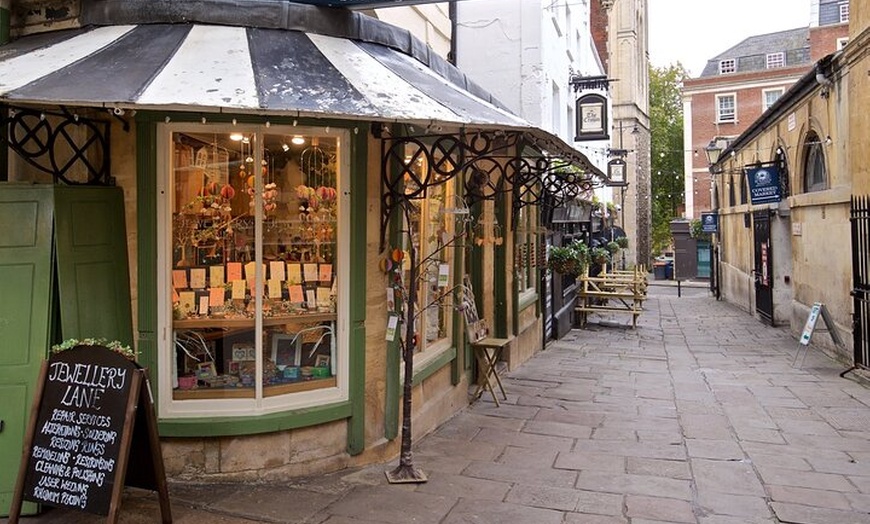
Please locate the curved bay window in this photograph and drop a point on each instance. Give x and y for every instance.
(252, 259)
(815, 172)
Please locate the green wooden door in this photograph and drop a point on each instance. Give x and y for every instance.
(25, 317)
(92, 268)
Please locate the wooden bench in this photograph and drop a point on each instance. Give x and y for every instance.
(613, 292)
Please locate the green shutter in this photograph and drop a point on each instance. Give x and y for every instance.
(25, 318)
(92, 267)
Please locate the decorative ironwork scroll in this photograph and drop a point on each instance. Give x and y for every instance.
(56, 143)
(490, 163)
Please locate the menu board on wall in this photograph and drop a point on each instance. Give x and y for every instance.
(81, 430)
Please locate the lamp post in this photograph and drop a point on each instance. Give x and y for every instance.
(713, 151)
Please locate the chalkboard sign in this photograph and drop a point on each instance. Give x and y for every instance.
(82, 425)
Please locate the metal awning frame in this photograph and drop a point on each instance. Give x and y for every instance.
(490, 163)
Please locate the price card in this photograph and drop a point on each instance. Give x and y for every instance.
(197, 278)
(179, 278)
(216, 296)
(294, 273)
(323, 297)
(216, 276)
(234, 271)
(276, 270)
(310, 271)
(310, 298)
(443, 275)
(203, 305)
(275, 288)
(296, 294)
(392, 323)
(238, 291)
(391, 299)
(325, 273)
(187, 302)
(250, 270)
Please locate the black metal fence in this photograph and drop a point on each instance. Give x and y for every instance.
(860, 220)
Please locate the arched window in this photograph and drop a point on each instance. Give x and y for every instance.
(815, 174)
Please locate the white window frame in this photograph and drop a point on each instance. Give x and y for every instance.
(774, 60)
(169, 408)
(764, 92)
(728, 65)
(844, 12)
(719, 118)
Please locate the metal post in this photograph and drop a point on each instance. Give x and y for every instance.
(679, 289)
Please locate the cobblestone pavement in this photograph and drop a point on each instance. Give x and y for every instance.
(697, 416)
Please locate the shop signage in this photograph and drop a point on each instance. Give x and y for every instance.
(763, 182)
(592, 118)
(709, 222)
(92, 407)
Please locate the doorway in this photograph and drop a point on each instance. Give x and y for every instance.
(763, 270)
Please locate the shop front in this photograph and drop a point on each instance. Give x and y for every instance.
(274, 180)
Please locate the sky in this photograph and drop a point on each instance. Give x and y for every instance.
(693, 31)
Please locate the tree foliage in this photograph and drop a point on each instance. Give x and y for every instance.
(666, 128)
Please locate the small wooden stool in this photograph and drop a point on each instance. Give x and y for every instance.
(489, 350)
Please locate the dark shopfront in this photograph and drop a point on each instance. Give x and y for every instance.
(258, 296)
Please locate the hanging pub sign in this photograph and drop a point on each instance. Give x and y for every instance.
(616, 172)
(709, 222)
(592, 118)
(764, 187)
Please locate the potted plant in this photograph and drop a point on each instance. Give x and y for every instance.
(612, 247)
(600, 255)
(622, 242)
(562, 260)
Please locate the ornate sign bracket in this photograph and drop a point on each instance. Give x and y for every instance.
(490, 163)
(56, 143)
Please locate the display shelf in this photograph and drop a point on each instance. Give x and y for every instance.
(230, 323)
(268, 391)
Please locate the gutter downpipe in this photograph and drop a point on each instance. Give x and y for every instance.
(4, 20)
(453, 14)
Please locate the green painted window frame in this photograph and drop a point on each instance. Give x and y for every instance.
(353, 409)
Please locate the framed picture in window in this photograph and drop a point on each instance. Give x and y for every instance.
(286, 349)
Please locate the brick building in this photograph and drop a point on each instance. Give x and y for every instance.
(740, 84)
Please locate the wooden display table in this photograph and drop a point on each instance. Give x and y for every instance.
(613, 292)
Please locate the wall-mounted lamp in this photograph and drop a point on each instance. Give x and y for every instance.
(236, 137)
(298, 140)
(713, 151)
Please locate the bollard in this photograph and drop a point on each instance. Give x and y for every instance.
(679, 290)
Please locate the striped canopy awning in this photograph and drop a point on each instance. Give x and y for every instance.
(270, 58)
(238, 69)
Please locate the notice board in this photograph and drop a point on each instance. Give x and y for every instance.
(92, 407)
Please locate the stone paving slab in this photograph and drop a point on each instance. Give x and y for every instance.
(697, 416)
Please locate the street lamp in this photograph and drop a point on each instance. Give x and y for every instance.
(713, 151)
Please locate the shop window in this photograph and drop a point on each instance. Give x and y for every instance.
(525, 252)
(253, 269)
(815, 173)
(432, 230)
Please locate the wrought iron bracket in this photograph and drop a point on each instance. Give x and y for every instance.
(58, 142)
(489, 163)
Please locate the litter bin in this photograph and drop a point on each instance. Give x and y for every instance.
(660, 271)
(669, 271)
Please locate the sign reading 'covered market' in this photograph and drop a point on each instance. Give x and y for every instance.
(764, 187)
